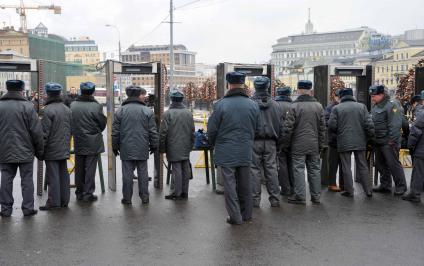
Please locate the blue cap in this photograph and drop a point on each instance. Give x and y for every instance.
(284, 91)
(87, 88)
(235, 77)
(133, 91)
(337, 92)
(345, 92)
(15, 85)
(262, 83)
(176, 94)
(304, 84)
(376, 89)
(53, 88)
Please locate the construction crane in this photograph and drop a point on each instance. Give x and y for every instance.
(21, 10)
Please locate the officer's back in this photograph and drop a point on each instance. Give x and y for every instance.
(136, 127)
(88, 122)
(20, 130)
(234, 116)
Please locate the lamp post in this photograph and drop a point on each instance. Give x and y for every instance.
(120, 58)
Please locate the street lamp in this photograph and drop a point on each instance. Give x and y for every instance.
(120, 58)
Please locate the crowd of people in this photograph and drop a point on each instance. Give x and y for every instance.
(255, 139)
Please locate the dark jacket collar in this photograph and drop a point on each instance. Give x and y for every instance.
(305, 98)
(86, 98)
(236, 92)
(13, 95)
(283, 98)
(348, 98)
(177, 105)
(54, 99)
(133, 100)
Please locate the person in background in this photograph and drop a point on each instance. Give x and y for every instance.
(88, 123)
(231, 130)
(304, 134)
(71, 96)
(285, 169)
(134, 134)
(177, 140)
(56, 123)
(334, 162)
(22, 138)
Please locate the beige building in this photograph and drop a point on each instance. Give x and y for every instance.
(75, 81)
(185, 63)
(11, 40)
(82, 50)
(396, 64)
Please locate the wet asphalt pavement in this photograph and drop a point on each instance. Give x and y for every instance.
(381, 231)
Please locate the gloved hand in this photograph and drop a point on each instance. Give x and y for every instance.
(40, 157)
(116, 152)
(152, 150)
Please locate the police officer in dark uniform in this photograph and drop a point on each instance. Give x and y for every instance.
(21, 139)
(231, 130)
(416, 149)
(352, 125)
(285, 170)
(264, 158)
(56, 123)
(387, 120)
(177, 140)
(88, 123)
(134, 133)
(304, 133)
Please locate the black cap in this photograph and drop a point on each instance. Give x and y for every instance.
(87, 88)
(15, 85)
(416, 98)
(376, 89)
(133, 91)
(262, 83)
(284, 91)
(345, 92)
(235, 77)
(337, 92)
(304, 84)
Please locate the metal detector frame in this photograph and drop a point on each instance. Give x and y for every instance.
(322, 79)
(222, 69)
(322, 86)
(159, 71)
(36, 67)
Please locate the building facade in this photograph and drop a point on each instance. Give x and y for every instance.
(82, 51)
(51, 49)
(396, 64)
(184, 68)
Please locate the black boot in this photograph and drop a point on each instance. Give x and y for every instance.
(412, 198)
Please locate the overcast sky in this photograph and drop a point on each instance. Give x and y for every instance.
(218, 30)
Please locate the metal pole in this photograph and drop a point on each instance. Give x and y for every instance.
(171, 46)
(110, 102)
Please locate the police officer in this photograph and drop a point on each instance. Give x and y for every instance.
(285, 170)
(265, 146)
(177, 140)
(134, 133)
(88, 123)
(387, 122)
(231, 130)
(416, 148)
(56, 123)
(21, 139)
(353, 126)
(304, 134)
(334, 162)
